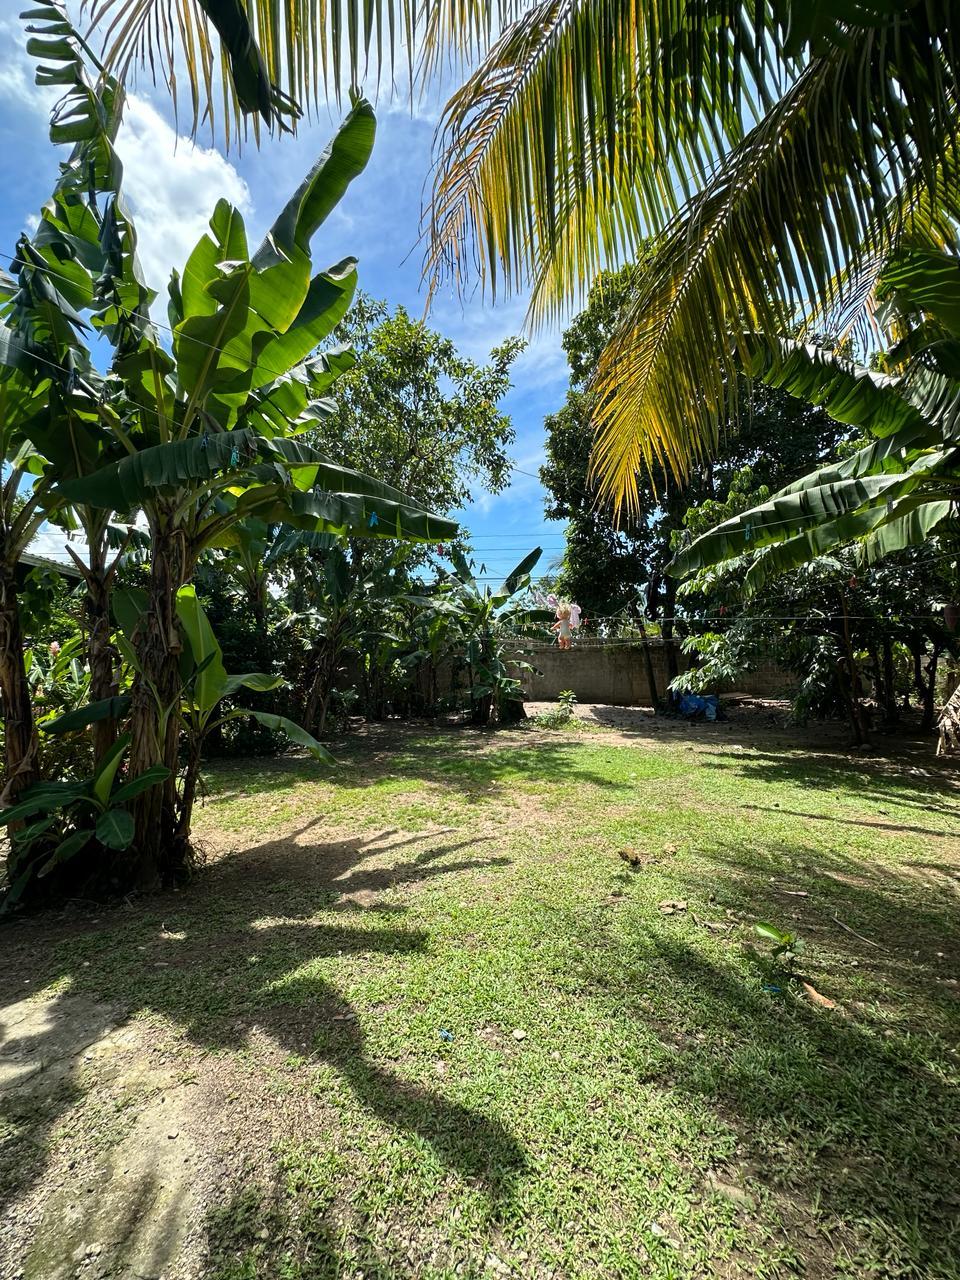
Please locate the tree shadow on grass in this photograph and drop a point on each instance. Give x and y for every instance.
(250, 1236)
(873, 824)
(877, 778)
(242, 955)
(846, 1118)
(465, 766)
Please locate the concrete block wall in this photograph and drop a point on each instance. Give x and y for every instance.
(616, 673)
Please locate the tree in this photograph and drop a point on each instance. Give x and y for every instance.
(615, 563)
(483, 620)
(416, 412)
(779, 150)
(849, 634)
(894, 492)
(874, 531)
(207, 431)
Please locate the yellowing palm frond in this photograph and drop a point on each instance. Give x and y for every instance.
(803, 204)
(574, 137)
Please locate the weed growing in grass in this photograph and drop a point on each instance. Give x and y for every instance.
(558, 717)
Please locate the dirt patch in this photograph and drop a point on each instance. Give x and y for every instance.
(131, 1143)
(111, 1183)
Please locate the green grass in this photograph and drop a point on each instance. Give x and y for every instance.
(675, 1106)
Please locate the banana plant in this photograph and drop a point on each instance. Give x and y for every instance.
(901, 488)
(52, 823)
(54, 423)
(207, 687)
(484, 617)
(348, 608)
(205, 432)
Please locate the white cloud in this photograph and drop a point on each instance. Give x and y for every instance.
(476, 329)
(171, 186)
(15, 83)
(17, 70)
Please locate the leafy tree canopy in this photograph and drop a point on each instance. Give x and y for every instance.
(610, 563)
(417, 413)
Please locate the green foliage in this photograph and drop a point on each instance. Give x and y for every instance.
(202, 437)
(785, 947)
(896, 491)
(615, 565)
(53, 822)
(847, 569)
(485, 622)
(558, 717)
(207, 684)
(416, 412)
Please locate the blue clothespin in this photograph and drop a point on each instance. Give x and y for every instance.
(234, 456)
(747, 531)
(373, 521)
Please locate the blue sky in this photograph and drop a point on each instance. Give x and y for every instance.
(172, 186)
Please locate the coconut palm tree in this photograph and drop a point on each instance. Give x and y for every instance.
(778, 149)
(900, 488)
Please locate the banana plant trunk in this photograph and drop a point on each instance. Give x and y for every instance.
(160, 849)
(21, 745)
(101, 654)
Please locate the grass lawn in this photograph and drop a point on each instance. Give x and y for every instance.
(422, 1018)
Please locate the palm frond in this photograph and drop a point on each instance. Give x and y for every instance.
(582, 129)
(800, 204)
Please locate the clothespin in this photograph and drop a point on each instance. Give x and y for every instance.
(373, 521)
(747, 531)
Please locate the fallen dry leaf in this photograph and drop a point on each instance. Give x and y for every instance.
(634, 856)
(815, 997)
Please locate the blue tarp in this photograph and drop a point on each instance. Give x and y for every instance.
(692, 704)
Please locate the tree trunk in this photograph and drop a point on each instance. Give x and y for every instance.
(916, 653)
(849, 701)
(160, 852)
(891, 712)
(929, 717)
(191, 779)
(648, 659)
(21, 745)
(668, 632)
(854, 706)
(313, 700)
(101, 655)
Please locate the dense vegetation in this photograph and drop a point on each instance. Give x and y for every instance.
(212, 459)
(863, 631)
